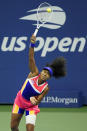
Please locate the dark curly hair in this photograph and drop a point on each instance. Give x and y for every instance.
(58, 67)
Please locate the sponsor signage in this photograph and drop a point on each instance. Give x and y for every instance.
(62, 99)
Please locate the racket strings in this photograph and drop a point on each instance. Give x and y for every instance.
(43, 15)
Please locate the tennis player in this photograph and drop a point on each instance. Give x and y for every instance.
(34, 89)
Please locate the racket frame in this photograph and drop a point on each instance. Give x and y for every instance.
(42, 23)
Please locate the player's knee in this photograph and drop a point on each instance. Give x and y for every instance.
(30, 122)
(30, 127)
(31, 119)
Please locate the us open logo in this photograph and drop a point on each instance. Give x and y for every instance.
(64, 45)
(56, 21)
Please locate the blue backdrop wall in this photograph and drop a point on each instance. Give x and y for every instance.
(68, 38)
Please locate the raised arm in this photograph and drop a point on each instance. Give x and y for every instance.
(32, 64)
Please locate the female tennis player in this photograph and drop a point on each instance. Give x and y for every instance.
(34, 89)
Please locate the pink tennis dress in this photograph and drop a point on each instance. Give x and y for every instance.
(22, 101)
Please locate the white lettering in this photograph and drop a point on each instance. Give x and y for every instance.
(48, 47)
(77, 41)
(64, 44)
(11, 45)
(21, 44)
(51, 44)
(66, 101)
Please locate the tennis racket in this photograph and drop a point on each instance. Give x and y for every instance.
(44, 12)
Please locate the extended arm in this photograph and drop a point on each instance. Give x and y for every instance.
(32, 64)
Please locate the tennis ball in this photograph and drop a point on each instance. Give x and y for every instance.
(49, 10)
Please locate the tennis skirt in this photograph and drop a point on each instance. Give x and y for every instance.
(21, 105)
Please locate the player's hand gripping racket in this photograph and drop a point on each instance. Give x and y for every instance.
(44, 12)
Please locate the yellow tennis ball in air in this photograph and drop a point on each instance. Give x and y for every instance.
(49, 10)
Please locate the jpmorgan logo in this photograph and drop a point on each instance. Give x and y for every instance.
(65, 101)
(56, 21)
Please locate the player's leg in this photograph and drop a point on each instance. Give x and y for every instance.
(30, 120)
(30, 127)
(16, 116)
(15, 120)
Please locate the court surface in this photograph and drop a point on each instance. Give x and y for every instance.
(49, 119)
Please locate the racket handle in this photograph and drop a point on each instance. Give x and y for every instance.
(36, 31)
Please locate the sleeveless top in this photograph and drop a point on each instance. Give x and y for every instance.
(31, 87)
